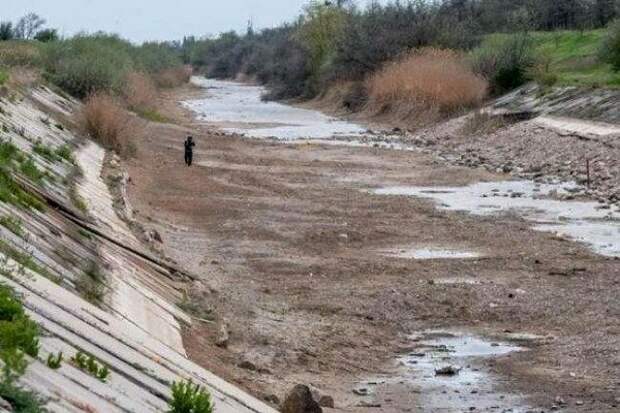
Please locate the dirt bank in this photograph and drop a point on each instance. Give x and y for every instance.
(290, 249)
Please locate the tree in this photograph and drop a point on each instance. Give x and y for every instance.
(28, 26)
(47, 35)
(6, 31)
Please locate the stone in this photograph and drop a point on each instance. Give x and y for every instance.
(327, 401)
(299, 400)
(223, 338)
(247, 365)
(448, 371)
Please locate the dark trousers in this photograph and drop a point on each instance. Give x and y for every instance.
(189, 157)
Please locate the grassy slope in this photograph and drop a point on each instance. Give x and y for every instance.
(574, 57)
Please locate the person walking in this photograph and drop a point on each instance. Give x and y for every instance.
(189, 151)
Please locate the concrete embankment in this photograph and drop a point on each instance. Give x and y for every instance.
(86, 279)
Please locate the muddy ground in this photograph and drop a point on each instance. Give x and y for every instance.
(289, 247)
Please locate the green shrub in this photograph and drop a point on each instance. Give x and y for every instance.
(190, 398)
(86, 64)
(504, 60)
(21, 400)
(13, 224)
(610, 49)
(54, 361)
(45, 151)
(65, 152)
(4, 77)
(90, 365)
(19, 335)
(17, 53)
(90, 284)
(30, 170)
(12, 193)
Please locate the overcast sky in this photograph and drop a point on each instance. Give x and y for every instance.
(141, 20)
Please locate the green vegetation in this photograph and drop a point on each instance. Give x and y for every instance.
(574, 57)
(87, 64)
(190, 398)
(13, 224)
(91, 365)
(30, 170)
(12, 193)
(45, 151)
(610, 49)
(54, 361)
(19, 335)
(90, 284)
(504, 60)
(152, 115)
(4, 77)
(25, 260)
(65, 152)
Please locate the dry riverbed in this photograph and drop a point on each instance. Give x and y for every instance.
(321, 279)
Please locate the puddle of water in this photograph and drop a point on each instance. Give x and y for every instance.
(241, 105)
(471, 386)
(579, 220)
(433, 254)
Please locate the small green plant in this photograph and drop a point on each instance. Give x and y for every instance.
(190, 398)
(11, 193)
(30, 170)
(45, 151)
(91, 366)
(54, 361)
(19, 335)
(90, 284)
(13, 224)
(65, 152)
(20, 399)
(4, 77)
(25, 260)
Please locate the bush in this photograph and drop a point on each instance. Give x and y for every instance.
(18, 53)
(190, 398)
(84, 65)
(429, 81)
(105, 120)
(504, 60)
(139, 92)
(90, 284)
(610, 49)
(173, 77)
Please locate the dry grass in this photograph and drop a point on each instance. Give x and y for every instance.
(139, 92)
(107, 122)
(426, 83)
(174, 77)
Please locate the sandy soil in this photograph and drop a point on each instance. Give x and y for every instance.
(287, 244)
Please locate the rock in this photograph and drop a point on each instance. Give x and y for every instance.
(272, 398)
(361, 391)
(448, 371)
(327, 401)
(247, 365)
(299, 400)
(223, 337)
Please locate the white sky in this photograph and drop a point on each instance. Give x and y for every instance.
(141, 20)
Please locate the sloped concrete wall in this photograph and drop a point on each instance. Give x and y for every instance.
(136, 329)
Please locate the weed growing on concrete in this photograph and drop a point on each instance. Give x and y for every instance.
(13, 224)
(54, 361)
(190, 398)
(90, 365)
(90, 284)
